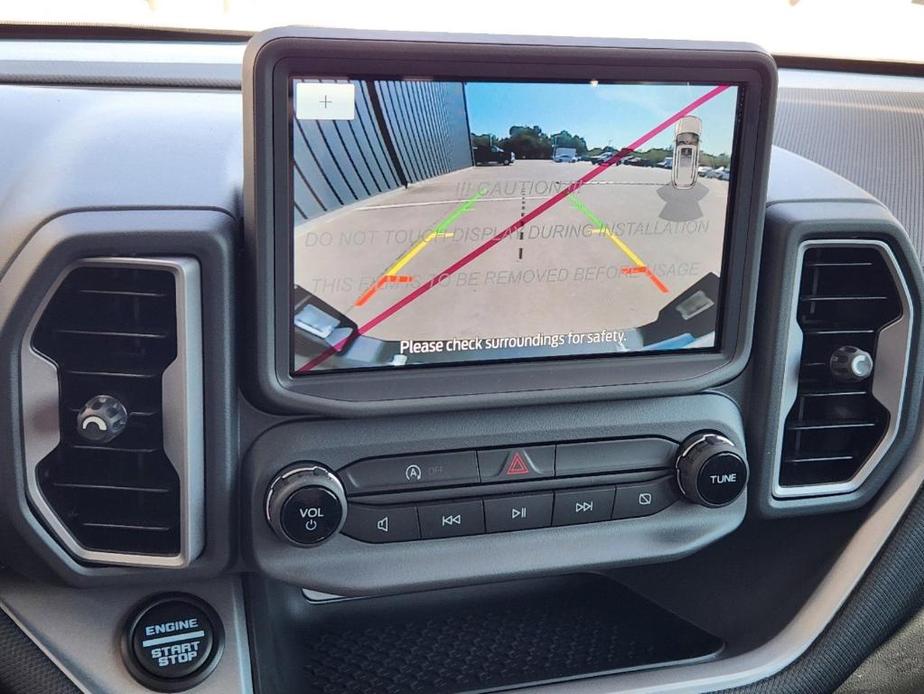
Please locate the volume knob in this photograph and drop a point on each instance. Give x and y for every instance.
(306, 504)
(710, 470)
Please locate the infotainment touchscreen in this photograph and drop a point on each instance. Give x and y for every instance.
(453, 222)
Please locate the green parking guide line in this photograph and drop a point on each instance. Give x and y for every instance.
(574, 200)
(440, 228)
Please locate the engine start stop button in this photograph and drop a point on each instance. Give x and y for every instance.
(174, 642)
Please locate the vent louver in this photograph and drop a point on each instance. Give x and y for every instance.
(113, 331)
(847, 295)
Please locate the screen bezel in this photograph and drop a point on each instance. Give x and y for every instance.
(274, 59)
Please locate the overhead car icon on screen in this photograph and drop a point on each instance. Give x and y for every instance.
(686, 152)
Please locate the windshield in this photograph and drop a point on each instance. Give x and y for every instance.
(887, 30)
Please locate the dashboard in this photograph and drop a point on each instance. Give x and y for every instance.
(332, 367)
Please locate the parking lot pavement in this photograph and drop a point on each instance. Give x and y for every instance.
(608, 257)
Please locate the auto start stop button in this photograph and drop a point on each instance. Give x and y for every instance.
(173, 642)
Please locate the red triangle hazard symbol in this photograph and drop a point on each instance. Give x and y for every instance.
(517, 465)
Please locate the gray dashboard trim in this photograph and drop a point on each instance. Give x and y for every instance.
(182, 420)
(343, 566)
(771, 657)
(788, 226)
(796, 78)
(15, 253)
(76, 150)
(80, 629)
(202, 65)
(204, 235)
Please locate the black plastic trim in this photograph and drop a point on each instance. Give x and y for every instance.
(273, 56)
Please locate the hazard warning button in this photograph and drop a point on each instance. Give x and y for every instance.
(514, 464)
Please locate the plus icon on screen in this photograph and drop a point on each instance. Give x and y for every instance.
(325, 101)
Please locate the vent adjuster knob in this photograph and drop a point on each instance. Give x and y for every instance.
(849, 364)
(101, 419)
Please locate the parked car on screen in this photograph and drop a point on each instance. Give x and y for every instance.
(492, 155)
(665, 163)
(566, 155)
(715, 173)
(685, 164)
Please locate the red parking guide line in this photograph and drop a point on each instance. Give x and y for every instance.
(370, 292)
(657, 281)
(521, 222)
(383, 280)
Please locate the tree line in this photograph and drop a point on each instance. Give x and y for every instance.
(530, 142)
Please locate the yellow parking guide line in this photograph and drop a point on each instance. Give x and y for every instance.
(438, 230)
(620, 244)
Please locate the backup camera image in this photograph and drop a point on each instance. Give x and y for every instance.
(456, 222)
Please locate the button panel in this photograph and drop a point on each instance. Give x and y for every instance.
(382, 523)
(619, 455)
(583, 506)
(645, 498)
(397, 499)
(494, 514)
(411, 472)
(516, 464)
(523, 512)
(451, 519)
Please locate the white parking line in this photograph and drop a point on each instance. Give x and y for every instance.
(436, 202)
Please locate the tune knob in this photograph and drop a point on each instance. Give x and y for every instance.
(101, 419)
(710, 470)
(850, 364)
(306, 504)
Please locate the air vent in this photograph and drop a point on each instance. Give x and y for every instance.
(122, 328)
(850, 296)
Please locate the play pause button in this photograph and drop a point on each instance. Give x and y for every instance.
(506, 513)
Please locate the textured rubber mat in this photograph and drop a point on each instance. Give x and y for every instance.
(24, 669)
(574, 629)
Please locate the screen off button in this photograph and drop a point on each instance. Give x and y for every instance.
(644, 498)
